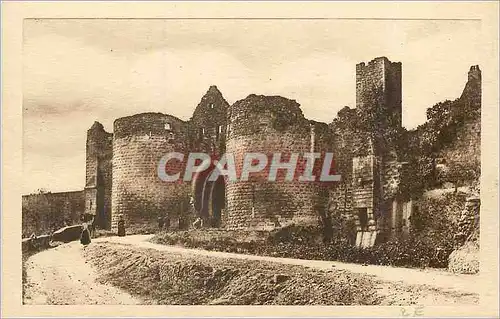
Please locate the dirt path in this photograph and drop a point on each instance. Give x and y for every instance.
(435, 278)
(61, 276)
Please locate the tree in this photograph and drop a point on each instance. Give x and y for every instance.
(461, 173)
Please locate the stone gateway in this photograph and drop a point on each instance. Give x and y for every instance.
(379, 161)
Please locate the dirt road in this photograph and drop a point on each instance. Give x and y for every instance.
(430, 277)
(62, 276)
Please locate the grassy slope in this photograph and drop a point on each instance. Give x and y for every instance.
(175, 279)
(165, 278)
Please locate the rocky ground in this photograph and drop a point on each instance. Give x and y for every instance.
(131, 270)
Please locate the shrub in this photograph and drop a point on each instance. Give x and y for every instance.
(465, 260)
(294, 234)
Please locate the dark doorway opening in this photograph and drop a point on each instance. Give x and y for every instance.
(218, 201)
(209, 198)
(363, 218)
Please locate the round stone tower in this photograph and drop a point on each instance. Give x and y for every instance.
(270, 124)
(140, 141)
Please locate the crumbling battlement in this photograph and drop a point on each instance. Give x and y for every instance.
(208, 125)
(262, 114)
(451, 137)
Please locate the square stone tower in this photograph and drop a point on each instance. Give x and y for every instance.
(378, 92)
(378, 104)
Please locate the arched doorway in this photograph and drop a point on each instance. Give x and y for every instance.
(209, 197)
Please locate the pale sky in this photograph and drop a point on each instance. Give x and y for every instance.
(80, 71)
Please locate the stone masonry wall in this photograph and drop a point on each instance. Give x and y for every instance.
(393, 92)
(268, 125)
(47, 212)
(364, 146)
(140, 141)
(378, 92)
(98, 181)
(349, 142)
(466, 145)
(209, 123)
(256, 202)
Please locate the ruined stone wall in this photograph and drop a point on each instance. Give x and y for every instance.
(449, 142)
(393, 92)
(364, 172)
(98, 175)
(466, 144)
(209, 123)
(140, 141)
(98, 146)
(365, 140)
(47, 212)
(269, 125)
(349, 141)
(208, 127)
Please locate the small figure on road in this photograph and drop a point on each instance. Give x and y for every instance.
(161, 222)
(32, 242)
(121, 226)
(181, 222)
(167, 221)
(85, 236)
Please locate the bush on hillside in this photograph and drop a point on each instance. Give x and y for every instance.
(296, 235)
(465, 260)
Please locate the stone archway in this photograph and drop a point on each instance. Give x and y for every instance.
(209, 197)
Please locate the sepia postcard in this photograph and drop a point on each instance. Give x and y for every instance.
(250, 159)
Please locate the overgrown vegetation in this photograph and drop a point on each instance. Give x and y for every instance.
(307, 243)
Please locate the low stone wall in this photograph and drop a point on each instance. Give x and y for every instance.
(42, 242)
(68, 234)
(35, 244)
